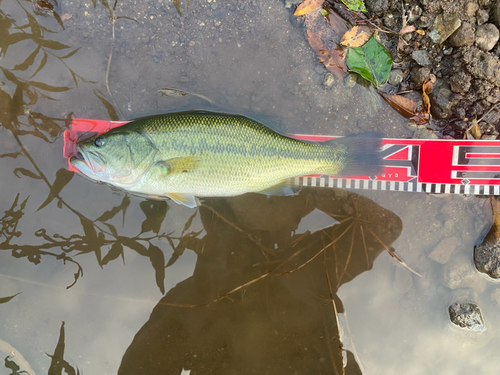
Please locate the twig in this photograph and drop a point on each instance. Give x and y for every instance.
(314, 256)
(393, 254)
(474, 122)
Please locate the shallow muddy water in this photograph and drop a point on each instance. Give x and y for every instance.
(245, 285)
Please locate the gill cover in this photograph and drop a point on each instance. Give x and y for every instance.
(117, 157)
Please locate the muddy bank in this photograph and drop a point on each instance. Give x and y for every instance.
(457, 43)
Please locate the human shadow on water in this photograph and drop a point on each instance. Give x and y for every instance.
(262, 298)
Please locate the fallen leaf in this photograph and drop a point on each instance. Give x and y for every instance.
(426, 90)
(371, 61)
(404, 106)
(475, 131)
(421, 118)
(307, 6)
(356, 37)
(355, 5)
(407, 29)
(421, 32)
(336, 22)
(333, 60)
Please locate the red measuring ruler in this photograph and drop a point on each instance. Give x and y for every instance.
(419, 165)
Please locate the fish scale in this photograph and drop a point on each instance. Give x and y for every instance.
(206, 154)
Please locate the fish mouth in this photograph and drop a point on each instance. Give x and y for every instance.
(87, 160)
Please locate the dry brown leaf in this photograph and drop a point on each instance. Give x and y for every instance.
(333, 60)
(426, 90)
(356, 37)
(475, 131)
(404, 106)
(307, 6)
(407, 29)
(421, 118)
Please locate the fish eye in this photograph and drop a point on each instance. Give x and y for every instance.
(99, 142)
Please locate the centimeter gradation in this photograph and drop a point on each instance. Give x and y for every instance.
(412, 165)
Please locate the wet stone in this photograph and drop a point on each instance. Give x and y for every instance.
(464, 36)
(487, 258)
(466, 315)
(421, 57)
(444, 27)
(329, 80)
(444, 249)
(420, 75)
(487, 36)
(395, 77)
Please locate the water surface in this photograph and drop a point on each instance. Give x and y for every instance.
(240, 285)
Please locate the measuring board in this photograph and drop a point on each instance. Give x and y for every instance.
(416, 165)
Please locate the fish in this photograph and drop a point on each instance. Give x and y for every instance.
(189, 155)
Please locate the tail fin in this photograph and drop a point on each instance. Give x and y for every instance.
(361, 154)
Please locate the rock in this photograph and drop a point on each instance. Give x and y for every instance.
(420, 75)
(443, 250)
(466, 315)
(444, 27)
(423, 133)
(442, 100)
(395, 77)
(487, 36)
(482, 65)
(421, 57)
(390, 21)
(487, 258)
(424, 22)
(290, 3)
(459, 273)
(414, 14)
(482, 16)
(447, 51)
(329, 80)
(377, 7)
(460, 82)
(471, 9)
(464, 36)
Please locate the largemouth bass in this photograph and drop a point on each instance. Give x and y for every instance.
(203, 154)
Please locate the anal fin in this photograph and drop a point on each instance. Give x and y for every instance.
(181, 198)
(283, 188)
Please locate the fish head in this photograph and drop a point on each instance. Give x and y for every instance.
(108, 158)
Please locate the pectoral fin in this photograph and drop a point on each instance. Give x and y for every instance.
(183, 164)
(284, 187)
(185, 199)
